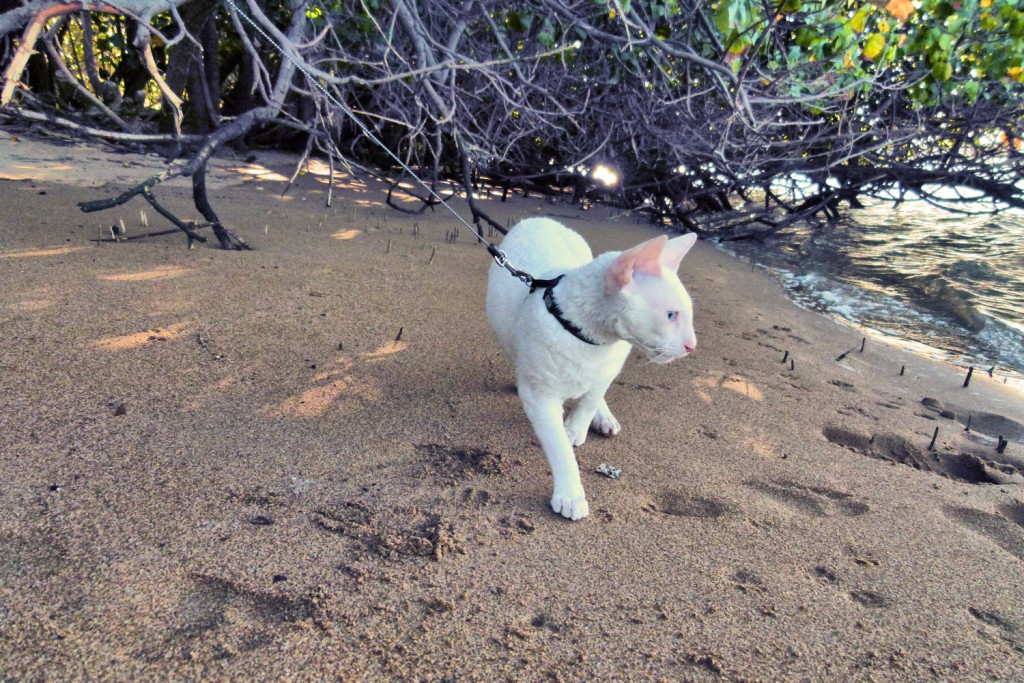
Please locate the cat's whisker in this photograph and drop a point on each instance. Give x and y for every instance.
(654, 355)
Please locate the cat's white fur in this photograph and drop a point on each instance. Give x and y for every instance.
(619, 299)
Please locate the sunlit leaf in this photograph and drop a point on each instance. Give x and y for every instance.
(901, 9)
(857, 23)
(874, 45)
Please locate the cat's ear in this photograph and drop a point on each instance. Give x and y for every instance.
(643, 258)
(676, 249)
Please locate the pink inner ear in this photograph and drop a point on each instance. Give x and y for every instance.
(620, 272)
(643, 258)
(676, 249)
(648, 258)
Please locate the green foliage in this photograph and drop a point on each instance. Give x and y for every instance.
(940, 51)
(948, 50)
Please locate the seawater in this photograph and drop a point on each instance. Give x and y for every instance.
(946, 285)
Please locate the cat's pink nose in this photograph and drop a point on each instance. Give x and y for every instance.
(689, 348)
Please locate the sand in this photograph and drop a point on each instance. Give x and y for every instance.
(228, 466)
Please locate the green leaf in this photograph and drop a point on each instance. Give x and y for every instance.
(722, 18)
(546, 37)
(740, 45)
(942, 71)
(805, 37)
(519, 22)
(874, 45)
(857, 23)
(791, 7)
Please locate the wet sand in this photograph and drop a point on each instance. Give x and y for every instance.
(228, 466)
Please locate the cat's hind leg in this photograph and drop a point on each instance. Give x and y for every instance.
(545, 413)
(604, 422)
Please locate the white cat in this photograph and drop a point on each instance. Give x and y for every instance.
(569, 340)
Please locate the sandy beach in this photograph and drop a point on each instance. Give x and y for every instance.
(308, 462)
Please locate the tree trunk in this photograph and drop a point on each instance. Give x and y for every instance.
(187, 68)
(131, 71)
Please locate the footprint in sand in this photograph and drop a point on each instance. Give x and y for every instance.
(218, 617)
(996, 627)
(391, 533)
(682, 504)
(869, 599)
(810, 500)
(865, 598)
(894, 448)
(448, 462)
(1006, 532)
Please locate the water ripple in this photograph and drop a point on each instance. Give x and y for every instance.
(954, 284)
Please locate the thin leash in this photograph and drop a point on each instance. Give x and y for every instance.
(499, 256)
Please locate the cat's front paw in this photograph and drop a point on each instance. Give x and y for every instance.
(570, 507)
(604, 423)
(577, 437)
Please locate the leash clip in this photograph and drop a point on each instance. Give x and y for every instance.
(500, 257)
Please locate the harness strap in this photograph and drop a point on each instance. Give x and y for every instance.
(553, 308)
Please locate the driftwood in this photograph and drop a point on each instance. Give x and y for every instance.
(143, 190)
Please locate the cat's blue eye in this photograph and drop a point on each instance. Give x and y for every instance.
(672, 315)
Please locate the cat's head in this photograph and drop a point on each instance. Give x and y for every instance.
(654, 312)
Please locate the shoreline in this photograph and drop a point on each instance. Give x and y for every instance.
(307, 458)
(1011, 377)
(850, 274)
